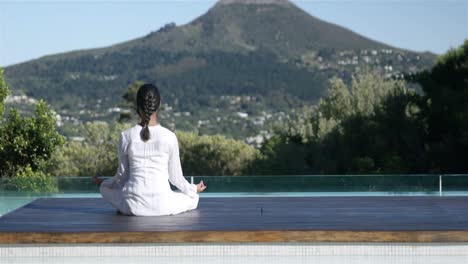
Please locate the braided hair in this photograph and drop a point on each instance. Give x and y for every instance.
(148, 101)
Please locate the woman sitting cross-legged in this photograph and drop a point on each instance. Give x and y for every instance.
(148, 160)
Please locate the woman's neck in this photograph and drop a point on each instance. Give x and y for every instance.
(153, 121)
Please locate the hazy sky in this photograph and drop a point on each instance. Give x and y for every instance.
(31, 29)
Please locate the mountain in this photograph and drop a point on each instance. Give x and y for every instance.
(269, 49)
(245, 26)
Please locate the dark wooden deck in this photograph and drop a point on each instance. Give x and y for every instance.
(265, 219)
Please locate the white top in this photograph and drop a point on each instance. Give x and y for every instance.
(141, 184)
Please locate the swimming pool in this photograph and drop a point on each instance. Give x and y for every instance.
(276, 186)
(258, 253)
(10, 201)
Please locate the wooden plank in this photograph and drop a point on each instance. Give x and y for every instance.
(251, 219)
(234, 236)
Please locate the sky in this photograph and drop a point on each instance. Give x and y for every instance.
(34, 28)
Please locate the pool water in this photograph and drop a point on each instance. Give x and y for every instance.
(274, 186)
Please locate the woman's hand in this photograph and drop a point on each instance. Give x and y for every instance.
(97, 180)
(200, 187)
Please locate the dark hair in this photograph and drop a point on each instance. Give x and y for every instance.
(148, 101)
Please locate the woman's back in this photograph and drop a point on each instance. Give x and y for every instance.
(148, 161)
(144, 172)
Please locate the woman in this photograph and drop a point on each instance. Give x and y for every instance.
(148, 161)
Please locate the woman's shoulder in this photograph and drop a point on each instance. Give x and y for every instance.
(124, 136)
(167, 132)
(129, 131)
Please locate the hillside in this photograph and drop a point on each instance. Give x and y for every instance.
(269, 50)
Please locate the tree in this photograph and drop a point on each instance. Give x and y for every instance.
(129, 101)
(27, 145)
(28, 141)
(95, 155)
(445, 110)
(214, 155)
(369, 126)
(390, 140)
(3, 93)
(281, 155)
(367, 91)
